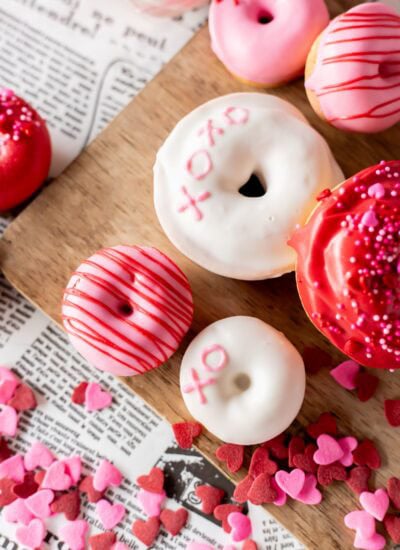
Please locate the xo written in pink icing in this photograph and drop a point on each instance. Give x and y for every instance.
(197, 384)
(199, 165)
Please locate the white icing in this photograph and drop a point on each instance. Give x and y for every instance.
(225, 232)
(257, 354)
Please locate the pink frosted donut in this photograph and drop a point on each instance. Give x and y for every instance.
(353, 73)
(127, 308)
(265, 41)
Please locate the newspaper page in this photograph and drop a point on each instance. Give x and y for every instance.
(80, 62)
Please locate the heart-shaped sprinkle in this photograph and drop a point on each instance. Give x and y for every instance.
(13, 468)
(315, 359)
(39, 503)
(96, 398)
(261, 463)
(78, 394)
(296, 447)
(305, 461)
(367, 385)
(209, 496)
(241, 526)
(345, 374)
(330, 473)
(28, 487)
(31, 535)
(24, 399)
(198, 546)
(174, 520)
(376, 504)
(292, 482)
(103, 541)
(17, 512)
(68, 504)
(119, 546)
(232, 455)
(392, 412)
(362, 522)
(348, 445)
(392, 526)
(277, 447)
(242, 489)
(7, 374)
(7, 495)
(249, 545)
(326, 424)
(310, 494)
(393, 487)
(7, 390)
(151, 502)
(146, 531)
(86, 487)
(358, 480)
(73, 468)
(38, 456)
(106, 475)
(186, 432)
(262, 490)
(73, 533)
(56, 477)
(376, 191)
(329, 450)
(376, 542)
(367, 454)
(369, 219)
(109, 514)
(281, 496)
(5, 452)
(153, 482)
(221, 513)
(8, 420)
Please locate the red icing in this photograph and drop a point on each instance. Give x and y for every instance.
(349, 267)
(25, 150)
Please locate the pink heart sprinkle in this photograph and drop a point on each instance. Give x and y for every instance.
(73, 533)
(39, 503)
(360, 521)
(73, 468)
(291, 483)
(17, 512)
(151, 502)
(7, 374)
(96, 398)
(229, 547)
(106, 475)
(8, 421)
(376, 542)
(281, 496)
(109, 514)
(376, 191)
(241, 526)
(7, 390)
(31, 535)
(13, 468)
(348, 445)
(119, 546)
(198, 546)
(369, 219)
(345, 374)
(310, 494)
(376, 504)
(38, 456)
(329, 450)
(56, 477)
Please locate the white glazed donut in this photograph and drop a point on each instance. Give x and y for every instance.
(207, 159)
(243, 380)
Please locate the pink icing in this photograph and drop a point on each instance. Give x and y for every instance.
(223, 358)
(197, 385)
(192, 203)
(127, 308)
(271, 52)
(201, 167)
(357, 73)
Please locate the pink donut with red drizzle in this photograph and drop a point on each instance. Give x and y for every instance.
(348, 268)
(127, 308)
(353, 70)
(265, 42)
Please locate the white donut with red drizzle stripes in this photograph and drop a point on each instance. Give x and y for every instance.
(127, 308)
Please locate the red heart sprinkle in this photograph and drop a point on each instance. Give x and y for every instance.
(185, 432)
(315, 359)
(296, 446)
(39, 476)
(392, 412)
(222, 512)
(277, 447)
(68, 504)
(5, 452)
(392, 526)
(174, 520)
(24, 399)
(86, 487)
(232, 455)
(146, 531)
(330, 473)
(7, 495)
(249, 545)
(103, 541)
(367, 384)
(28, 487)
(261, 463)
(242, 489)
(78, 394)
(358, 480)
(326, 424)
(367, 454)
(153, 482)
(393, 487)
(305, 461)
(209, 496)
(262, 491)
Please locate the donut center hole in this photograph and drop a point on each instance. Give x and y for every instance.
(389, 69)
(125, 309)
(254, 187)
(242, 382)
(264, 17)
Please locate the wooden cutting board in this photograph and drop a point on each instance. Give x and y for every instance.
(105, 198)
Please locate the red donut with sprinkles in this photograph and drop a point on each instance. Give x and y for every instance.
(348, 267)
(25, 150)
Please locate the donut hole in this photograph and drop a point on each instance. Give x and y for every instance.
(264, 17)
(389, 69)
(254, 187)
(242, 382)
(125, 309)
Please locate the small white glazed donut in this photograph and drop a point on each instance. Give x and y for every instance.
(243, 380)
(204, 189)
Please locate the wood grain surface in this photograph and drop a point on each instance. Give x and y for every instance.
(105, 198)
